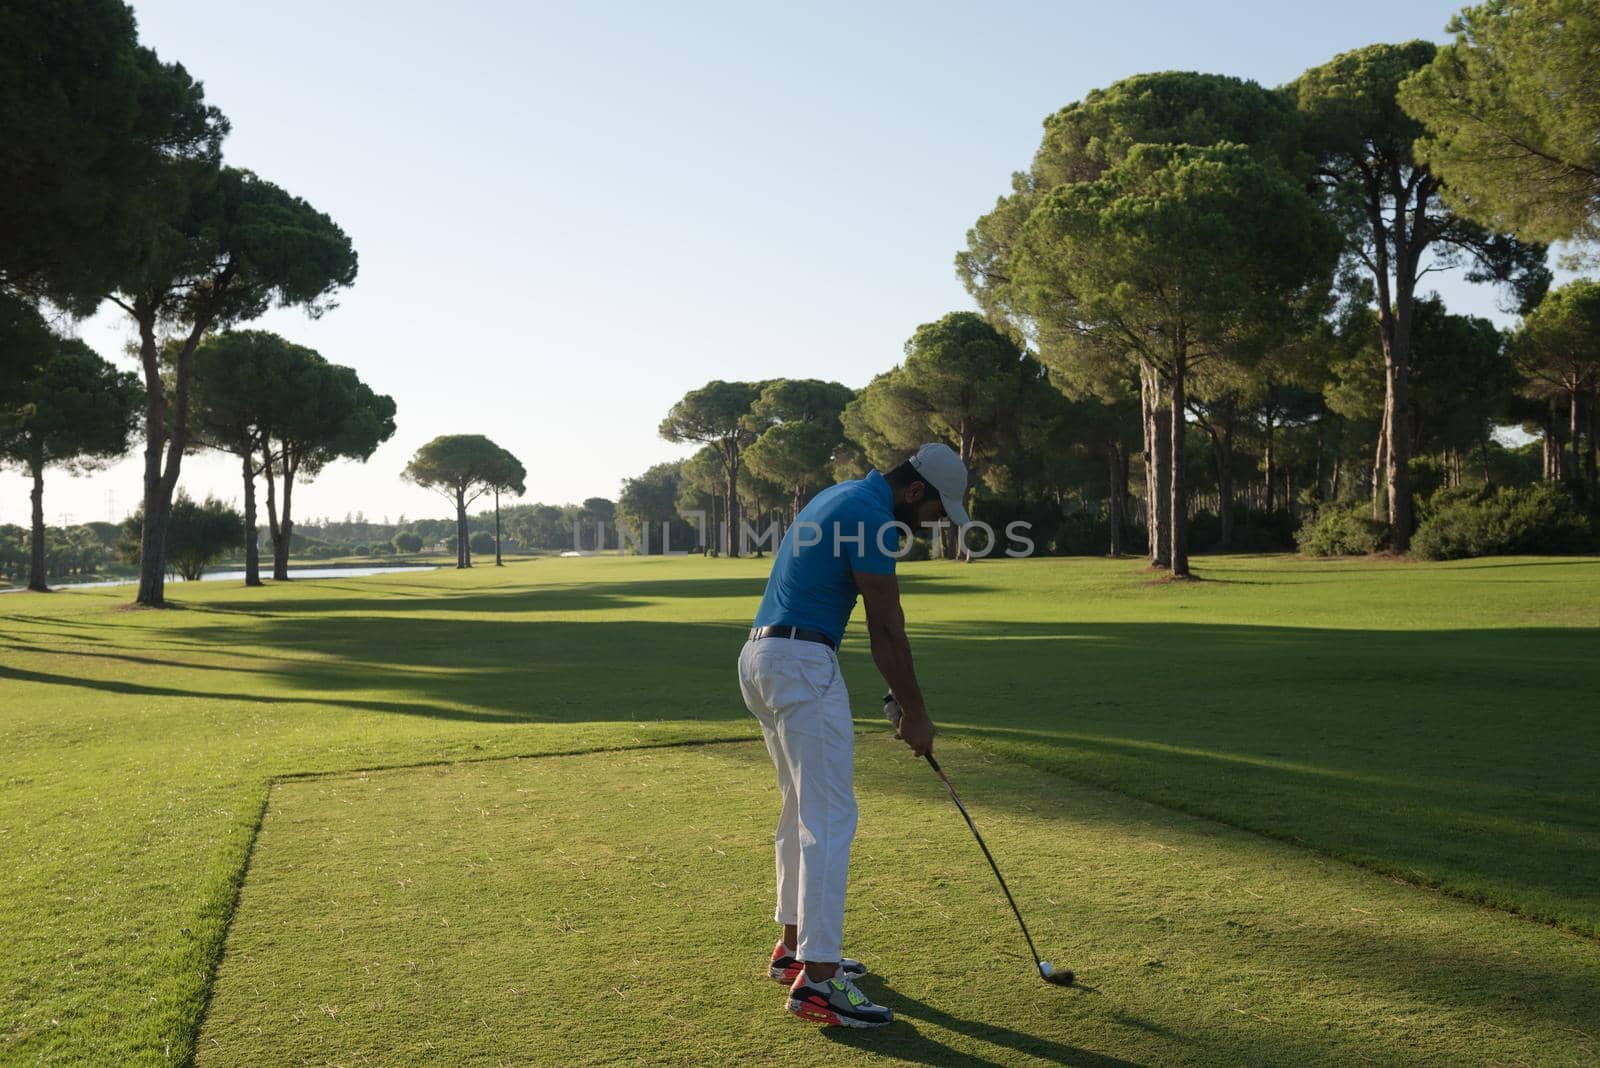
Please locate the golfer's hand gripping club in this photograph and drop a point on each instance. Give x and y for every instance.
(916, 732)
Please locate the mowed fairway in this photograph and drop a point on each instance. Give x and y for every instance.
(1436, 724)
(610, 908)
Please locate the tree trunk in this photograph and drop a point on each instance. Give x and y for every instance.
(274, 532)
(1122, 486)
(1399, 459)
(1336, 462)
(967, 448)
(497, 561)
(160, 481)
(1147, 428)
(1157, 467)
(1316, 481)
(153, 535)
(1397, 376)
(280, 545)
(730, 548)
(36, 575)
(1267, 458)
(1222, 444)
(1572, 433)
(1380, 460)
(463, 550)
(1178, 511)
(1589, 447)
(1114, 497)
(252, 548)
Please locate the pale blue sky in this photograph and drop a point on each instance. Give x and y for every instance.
(570, 214)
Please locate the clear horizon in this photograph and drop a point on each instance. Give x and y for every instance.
(569, 218)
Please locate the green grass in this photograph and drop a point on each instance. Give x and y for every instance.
(611, 909)
(1432, 722)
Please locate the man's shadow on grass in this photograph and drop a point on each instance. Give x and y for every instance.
(902, 1038)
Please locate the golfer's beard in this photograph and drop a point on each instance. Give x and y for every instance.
(907, 514)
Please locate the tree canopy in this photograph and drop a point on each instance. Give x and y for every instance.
(79, 411)
(463, 467)
(1082, 143)
(1512, 116)
(26, 343)
(648, 504)
(798, 428)
(228, 247)
(285, 411)
(1176, 256)
(1084, 139)
(717, 414)
(1397, 227)
(1557, 348)
(89, 120)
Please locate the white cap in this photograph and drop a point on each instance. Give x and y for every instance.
(943, 470)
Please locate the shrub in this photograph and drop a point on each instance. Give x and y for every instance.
(1341, 530)
(198, 535)
(482, 542)
(1427, 505)
(1253, 531)
(407, 541)
(1541, 518)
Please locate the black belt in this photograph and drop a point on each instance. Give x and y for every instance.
(799, 634)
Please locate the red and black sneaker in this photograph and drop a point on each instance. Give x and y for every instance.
(786, 966)
(835, 1000)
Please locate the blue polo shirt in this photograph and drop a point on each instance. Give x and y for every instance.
(845, 528)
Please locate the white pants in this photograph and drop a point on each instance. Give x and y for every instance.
(794, 688)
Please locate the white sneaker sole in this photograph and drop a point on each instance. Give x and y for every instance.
(830, 1018)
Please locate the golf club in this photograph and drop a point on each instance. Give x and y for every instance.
(1064, 977)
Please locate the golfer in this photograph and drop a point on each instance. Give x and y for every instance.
(843, 543)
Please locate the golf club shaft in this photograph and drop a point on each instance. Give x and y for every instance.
(987, 855)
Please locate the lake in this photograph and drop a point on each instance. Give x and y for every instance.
(266, 573)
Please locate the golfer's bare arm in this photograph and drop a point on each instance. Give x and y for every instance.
(891, 652)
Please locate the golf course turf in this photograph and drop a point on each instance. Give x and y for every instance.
(1175, 778)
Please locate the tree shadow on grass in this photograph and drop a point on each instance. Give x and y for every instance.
(1406, 949)
(468, 669)
(1461, 756)
(563, 597)
(1455, 955)
(1464, 832)
(65, 622)
(138, 689)
(550, 597)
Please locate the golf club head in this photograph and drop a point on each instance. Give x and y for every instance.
(1062, 978)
